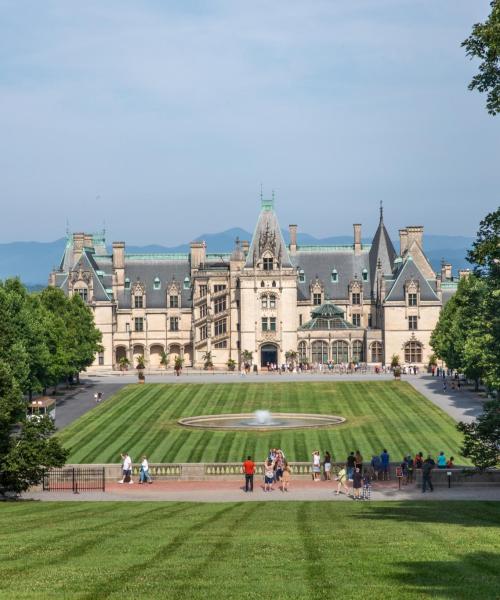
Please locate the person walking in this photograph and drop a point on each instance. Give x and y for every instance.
(249, 470)
(384, 459)
(144, 476)
(126, 469)
(268, 475)
(287, 475)
(427, 474)
(327, 466)
(357, 483)
(342, 481)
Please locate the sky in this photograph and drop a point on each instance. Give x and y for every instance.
(161, 120)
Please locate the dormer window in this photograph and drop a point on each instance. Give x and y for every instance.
(335, 276)
(127, 283)
(82, 292)
(365, 275)
(267, 263)
(317, 299)
(356, 298)
(156, 283)
(302, 276)
(412, 299)
(187, 282)
(138, 301)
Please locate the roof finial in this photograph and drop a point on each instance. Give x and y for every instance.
(261, 193)
(381, 211)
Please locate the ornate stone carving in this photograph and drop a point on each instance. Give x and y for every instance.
(267, 241)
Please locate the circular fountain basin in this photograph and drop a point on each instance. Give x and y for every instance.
(249, 421)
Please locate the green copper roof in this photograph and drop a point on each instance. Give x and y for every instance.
(328, 316)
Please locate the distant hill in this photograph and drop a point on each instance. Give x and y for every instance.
(33, 261)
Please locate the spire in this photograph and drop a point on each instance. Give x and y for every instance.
(381, 212)
(382, 253)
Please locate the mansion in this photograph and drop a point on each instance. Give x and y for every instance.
(359, 303)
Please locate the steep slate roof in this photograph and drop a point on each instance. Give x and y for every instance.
(146, 270)
(323, 261)
(102, 281)
(382, 249)
(267, 223)
(407, 271)
(327, 317)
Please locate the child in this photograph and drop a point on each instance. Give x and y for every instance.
(285, 480)
(342, 481)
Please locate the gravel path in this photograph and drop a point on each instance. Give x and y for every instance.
(208, 491)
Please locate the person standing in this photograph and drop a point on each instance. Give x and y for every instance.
(287, 475)
(249, 470)
(351, 461)
(126, 469)
(357, 483)
(384, 459)
(358, 461)
(376, 466)
(327, 466)
(409, 466)
(268, 475)
(427, 474)
(316, 465)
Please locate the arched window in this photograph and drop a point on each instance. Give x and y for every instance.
(340, 352)
(413, 352)
(335, 276)
(302, 276)
(357, 351)
(274, 283)
(187, 282)
(302, 351)
(156, 283)
(319, 352)
(376, 349)
(261, 284)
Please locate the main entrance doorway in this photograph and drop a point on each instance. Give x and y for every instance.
(268, 355)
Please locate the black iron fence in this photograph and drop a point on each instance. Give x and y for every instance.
(78, 479)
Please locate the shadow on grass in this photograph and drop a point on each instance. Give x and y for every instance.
(476, 575)
(467, 514)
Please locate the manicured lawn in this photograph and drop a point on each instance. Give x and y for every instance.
(143, 420)
(296, 550)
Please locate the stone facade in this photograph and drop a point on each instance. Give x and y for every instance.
(354, 303)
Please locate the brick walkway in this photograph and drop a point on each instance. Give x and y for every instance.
(233, 491)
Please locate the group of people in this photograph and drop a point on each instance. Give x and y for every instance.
(276, 471)
(144, 475)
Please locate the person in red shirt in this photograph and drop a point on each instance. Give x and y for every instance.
(249, 470)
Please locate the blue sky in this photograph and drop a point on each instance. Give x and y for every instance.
(162, 119)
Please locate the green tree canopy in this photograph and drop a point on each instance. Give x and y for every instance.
(484, 44)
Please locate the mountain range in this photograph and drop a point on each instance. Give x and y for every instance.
(33, 261)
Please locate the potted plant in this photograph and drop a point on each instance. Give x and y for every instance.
(246, 358)
(231, 364)
(178, 365)
(164, 359)
(123, 363)
(396, 369)
(291, 356)
(141, 365)
(207, 361)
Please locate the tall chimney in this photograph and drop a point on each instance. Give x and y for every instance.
(198, 254)
(415, 234)
(245, 246)
(403, 241)
(357, 238)
(78, 241)
(445, 272)
(293, 238)
(119, 263)
(88, 240)
(462, 273)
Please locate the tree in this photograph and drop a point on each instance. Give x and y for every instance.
(26, 447)
(124, 363)
(482, 437)
(484, 43)
(141, 363)
(208, 362)
(231, 364)
(164, 359)
(394, 361)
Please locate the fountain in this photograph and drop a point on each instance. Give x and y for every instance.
(261, 420)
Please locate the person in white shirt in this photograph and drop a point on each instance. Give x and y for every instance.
(144, 475)
(126, 468)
